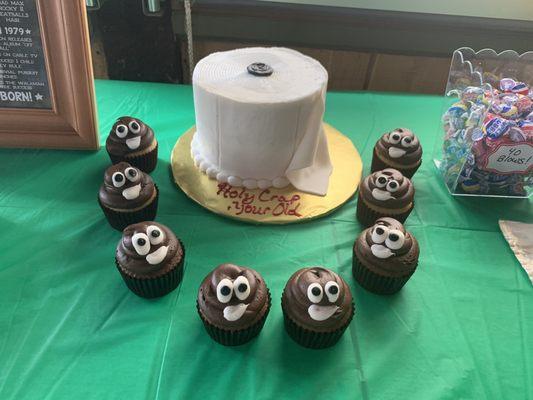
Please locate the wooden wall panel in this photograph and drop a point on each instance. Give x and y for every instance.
(398, 73)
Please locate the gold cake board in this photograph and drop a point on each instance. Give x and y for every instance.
(269, 206)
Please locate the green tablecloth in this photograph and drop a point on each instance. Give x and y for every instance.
(70, 329)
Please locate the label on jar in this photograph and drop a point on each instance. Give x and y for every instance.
(510, 158)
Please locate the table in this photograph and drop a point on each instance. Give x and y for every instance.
(70, 329)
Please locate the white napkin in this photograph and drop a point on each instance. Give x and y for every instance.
(520, 238)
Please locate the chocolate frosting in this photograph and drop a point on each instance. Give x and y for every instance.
(148, 250)
(406, 148)
(233, 297)
(381, 247)
(126, 187)
(135, 136)
(324, 313)
(387, 188)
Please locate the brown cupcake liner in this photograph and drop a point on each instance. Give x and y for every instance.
(150, 288)
(236, 337)
(368, 216)
(311, 339)
(121, 219)
(376, 283)
(378, 164)
(146, 162)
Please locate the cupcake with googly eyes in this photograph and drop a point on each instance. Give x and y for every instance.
(317, 307)
(385, 256)
(399, 149)
(385, 193)
(233, 303)
(127, 196)
(133, 141)
(150, 259)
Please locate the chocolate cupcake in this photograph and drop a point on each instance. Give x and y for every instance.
(399, 149)
(384, 257)
(385, 193)
(233, 303)
(317, 307)
(133, 141)
(150, 259)
(127, 196)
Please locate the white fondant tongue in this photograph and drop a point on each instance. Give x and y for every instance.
(134, 142)
(395, 152)
(321, 313)
(382, 195)
(132, 192)
(381, 251)
(157, 256)
(233, 313)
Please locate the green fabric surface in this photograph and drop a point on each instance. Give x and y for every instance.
(70, 329)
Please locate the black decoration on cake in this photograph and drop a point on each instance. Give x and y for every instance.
(260, 69)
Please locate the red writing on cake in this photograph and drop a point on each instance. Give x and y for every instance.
(259, 203)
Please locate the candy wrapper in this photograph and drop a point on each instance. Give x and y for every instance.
(488, 124)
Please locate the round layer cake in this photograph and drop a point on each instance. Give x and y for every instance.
(259, 119)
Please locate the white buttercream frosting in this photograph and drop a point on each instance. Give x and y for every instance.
(261, 131)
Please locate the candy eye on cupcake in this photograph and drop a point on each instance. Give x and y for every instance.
(332, 291)
(241, 287)
(132, 174)
(379, 233)
(395, 239)
(121, 131)
(224, 290)
(135, 127)
(155, 234)
(141, 243)
(381, 180)
(407, 141)
(395, 137)
(118, 179)
(314, 293)
(392, 186)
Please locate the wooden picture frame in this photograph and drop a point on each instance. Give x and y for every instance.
(70, 120)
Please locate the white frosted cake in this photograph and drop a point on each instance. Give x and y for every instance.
(259, 119)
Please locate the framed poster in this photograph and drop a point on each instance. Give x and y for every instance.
(46, 78)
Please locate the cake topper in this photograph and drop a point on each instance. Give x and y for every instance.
(260, 69)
